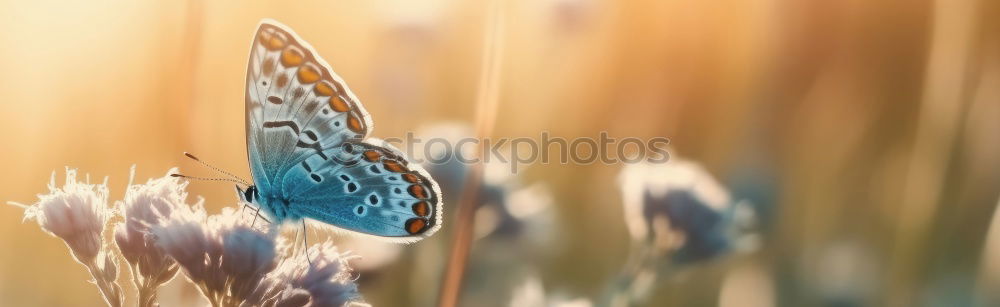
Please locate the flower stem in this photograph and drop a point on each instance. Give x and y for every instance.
(147, 296)
(111, 295)
(486, 110)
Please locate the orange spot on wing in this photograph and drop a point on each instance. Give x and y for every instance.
(416, 225)
(323, 88)
(339, 105)
(354, 124)
(417, 191)
(273, 41)
(421, 208)
(292, 56)
(393, 166)
(411, 178)
(372, 155)
(308, 74)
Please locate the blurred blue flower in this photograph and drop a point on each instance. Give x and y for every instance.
(702, 226)
(680, 209)
(677, 214)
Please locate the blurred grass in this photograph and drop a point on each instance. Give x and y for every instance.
(820, 110)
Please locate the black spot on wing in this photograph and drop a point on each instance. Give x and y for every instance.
(313, 146)
(348, 148)
(312, 135)
(295, 128)
(285, 123)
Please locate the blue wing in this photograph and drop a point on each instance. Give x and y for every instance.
(300, 119)
(295, 105)
(366, 187)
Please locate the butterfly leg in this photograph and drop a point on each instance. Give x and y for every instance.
(305, 243)
(257, 215)
(244, 210)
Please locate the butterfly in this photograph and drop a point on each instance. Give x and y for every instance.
(309, 151)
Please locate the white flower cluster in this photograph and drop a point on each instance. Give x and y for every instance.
(77, 213)
(229, 260)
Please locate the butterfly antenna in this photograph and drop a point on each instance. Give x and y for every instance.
(207, 179)
(203, 163)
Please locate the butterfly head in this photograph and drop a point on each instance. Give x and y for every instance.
(249, 195)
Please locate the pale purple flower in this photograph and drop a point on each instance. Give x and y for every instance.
(183, 236)
(145, 205)
(229, 260)
(247, 256)
(234, 264)
(326, 276)
(186, 236)
(77, 213)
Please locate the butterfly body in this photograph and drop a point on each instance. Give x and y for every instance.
(309, 152)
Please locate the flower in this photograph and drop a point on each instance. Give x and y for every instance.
(230, 261)
(183, 236)
(327, 278)
(247, 256)
(324, 279)
(680, 208)
(235, 264)
(197, 242)
(144, 205)
(77, 213)
(676, 212)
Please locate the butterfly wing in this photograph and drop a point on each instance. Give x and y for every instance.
(370, 188)
(295, 105)
(304, 136)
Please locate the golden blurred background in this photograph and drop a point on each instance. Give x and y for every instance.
(865, 132)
